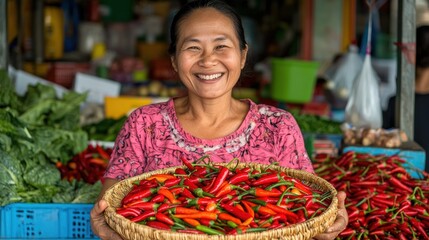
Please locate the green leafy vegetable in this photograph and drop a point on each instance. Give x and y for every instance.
(36, 131)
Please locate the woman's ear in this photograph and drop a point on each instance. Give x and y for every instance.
(244, 56)
(173, 63)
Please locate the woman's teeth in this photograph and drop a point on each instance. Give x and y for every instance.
(209, 77)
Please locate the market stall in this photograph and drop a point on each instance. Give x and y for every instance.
(62, 108)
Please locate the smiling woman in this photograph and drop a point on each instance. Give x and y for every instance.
(208, 57)
(208, 50)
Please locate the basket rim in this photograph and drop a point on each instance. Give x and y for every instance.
(329, 212)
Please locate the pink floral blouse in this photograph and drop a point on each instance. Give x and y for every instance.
(152, 139)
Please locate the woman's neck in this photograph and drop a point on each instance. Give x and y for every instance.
(422, 81)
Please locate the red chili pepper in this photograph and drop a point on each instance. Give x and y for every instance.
(102, 152)
(200, 201)
(226, 188)
(200, 171)
(395, 182)
(207, 222)
(187, 163)
(180, 171)
(158, 225)
(158, 198)
(228, 197)
(128, 212)
(268, 199)
(164, 207)
(138, 195)
(190, 184)
(147, 184)
(366, 183)
(267, 179)
(291, 215)
(236, 212)
(420, 209)
(347, 232)
(297, 183)
(419, 226)
(143, 216)
(220, 178)
(196, 180)
(200, 215)
(163, 218)
(144, 206)
(186, 193)
(239, 177)
(171, 182)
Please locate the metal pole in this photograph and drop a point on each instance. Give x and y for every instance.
(38, 24)
(404, 118)
(18, 50)
(3, 35)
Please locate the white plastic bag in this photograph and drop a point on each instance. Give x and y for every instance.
(363, 108)
(342, 74)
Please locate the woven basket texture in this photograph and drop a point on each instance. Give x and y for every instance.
(301, 231)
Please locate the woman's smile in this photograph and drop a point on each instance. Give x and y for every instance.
(210, 77)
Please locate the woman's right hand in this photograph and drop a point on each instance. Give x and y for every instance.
(98, 222)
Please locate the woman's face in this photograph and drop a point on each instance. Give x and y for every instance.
(208, 58)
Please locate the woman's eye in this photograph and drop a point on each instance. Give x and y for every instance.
(193, 48)
(220, 47)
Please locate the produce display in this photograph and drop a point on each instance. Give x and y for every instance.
(105, 130)
(383, 201)
(316, 124)
(89, 165)
(37, 130)
(205, 198)
(388, 138)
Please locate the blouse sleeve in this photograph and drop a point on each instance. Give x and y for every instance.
(292, 148)
(127, 155)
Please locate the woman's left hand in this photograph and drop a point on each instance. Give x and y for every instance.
(340, 222)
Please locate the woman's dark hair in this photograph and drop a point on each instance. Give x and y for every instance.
(220, 6)
(422, 47)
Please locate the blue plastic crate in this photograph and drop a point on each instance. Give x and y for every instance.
(46, 221)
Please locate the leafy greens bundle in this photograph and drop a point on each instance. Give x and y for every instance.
(36, 131)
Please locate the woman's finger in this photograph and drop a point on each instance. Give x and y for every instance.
(98, 222)
(340, 222)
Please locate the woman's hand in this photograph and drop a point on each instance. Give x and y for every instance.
(340, 222)
(98, 223)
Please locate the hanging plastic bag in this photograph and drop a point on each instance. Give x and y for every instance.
(342, 74)
(363, 108)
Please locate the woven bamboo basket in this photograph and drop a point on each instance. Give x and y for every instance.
(305, 230)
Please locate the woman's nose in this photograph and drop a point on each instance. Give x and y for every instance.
(208, 59)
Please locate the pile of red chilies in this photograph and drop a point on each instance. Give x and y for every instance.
(383, 200)
(205, 198)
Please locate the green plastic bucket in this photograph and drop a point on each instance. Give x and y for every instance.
(293, 80)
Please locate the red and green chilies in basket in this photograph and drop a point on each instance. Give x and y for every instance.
(205, 198)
